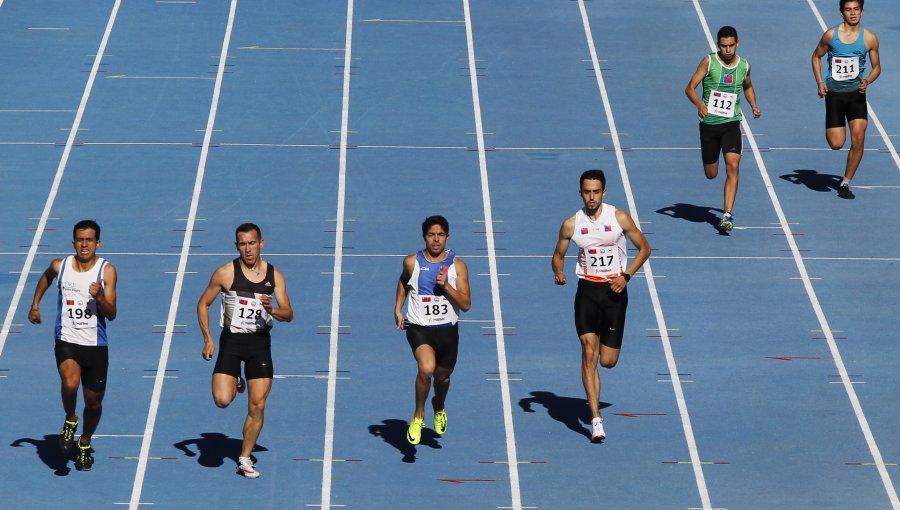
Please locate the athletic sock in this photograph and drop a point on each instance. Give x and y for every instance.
(845, 182)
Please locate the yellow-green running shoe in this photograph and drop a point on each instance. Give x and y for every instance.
(440, 422)
(67, 436)
(414, 432)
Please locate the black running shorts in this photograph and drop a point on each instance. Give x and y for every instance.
(601, 311)
(716, 138)
(443, 339)
(93, 360)
(842, 107)
(254, 350)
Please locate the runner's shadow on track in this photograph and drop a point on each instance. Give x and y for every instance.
(571, 412)
(813, 180)
(393, 432)
(214, 448)
(694, 214)
(47, 450)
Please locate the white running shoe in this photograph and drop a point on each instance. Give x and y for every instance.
(246, 467)
(597, 432)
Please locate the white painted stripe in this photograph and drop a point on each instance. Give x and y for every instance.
(511, 454)
(328, 449)
(829, 337)
(182, 267)
(651, 283)
(54, 187)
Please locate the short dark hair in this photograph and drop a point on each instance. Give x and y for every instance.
(594, 174)
(861, 3)
(86, 225)
(726, 31)
(248, 227)
(435, 220)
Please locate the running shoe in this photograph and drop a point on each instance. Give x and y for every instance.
(84, 460)
(67, 437)
(844, 192)
(245, 467)
(440, 422)
(241, 385)
(414, 432)
(597, 432)
(727, 222)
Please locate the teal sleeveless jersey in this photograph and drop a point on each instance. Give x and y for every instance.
(838, 50)
(724, 79)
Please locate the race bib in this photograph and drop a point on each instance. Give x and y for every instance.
(721, 103)
(844, 68)
(249, 314)
(78, 312)
(602, 261)
(435, 309)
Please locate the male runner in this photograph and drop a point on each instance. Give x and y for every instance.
(435, 286)
(723, 75)
(599, 231)
(247, 285)
(86, 299)
(845, 84)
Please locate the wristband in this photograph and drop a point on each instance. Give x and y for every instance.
(627, 277)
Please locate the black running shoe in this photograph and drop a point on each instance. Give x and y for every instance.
(67, 436)
(85, 460)
(844, 192)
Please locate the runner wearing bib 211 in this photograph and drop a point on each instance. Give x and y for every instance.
(845, 84)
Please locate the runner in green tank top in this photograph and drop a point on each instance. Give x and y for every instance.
(723, 75)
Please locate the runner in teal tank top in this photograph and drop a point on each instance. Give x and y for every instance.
(845, 84)
(723, 75)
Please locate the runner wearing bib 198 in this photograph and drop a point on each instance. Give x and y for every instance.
(86, 299)
(845, 83)
(723, 75)
(599, 231)
(434, 286)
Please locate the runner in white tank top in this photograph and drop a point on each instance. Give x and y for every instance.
(599, 231)
(86, 300)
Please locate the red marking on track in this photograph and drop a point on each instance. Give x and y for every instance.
(791, 358)
(465, 480)
(638, 415)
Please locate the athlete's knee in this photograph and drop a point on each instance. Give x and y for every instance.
(222, 400)
(609, 363)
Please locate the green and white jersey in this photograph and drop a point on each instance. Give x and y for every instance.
(722, 88)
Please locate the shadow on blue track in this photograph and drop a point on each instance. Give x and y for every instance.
(571, 412)
(693, 213)
(214, 448)
(47, 450)
(813, 180)
(393, 432)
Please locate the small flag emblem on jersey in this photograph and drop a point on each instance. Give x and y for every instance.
(584, 231)
(716, 94)
(426, 300)
(70, 302)
(607, 228)
(243, 301)
(728, 78)
(838, 61)
(592, 251)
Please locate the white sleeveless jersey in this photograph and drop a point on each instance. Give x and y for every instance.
(426, 304)
(601, 246)
(79, 320)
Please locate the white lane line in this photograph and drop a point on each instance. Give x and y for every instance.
(182, 267)
(54, 188)
(832, 345)
(651, 283)
(811, 293)
(881, 131)
(328, 450)
(511, 454)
